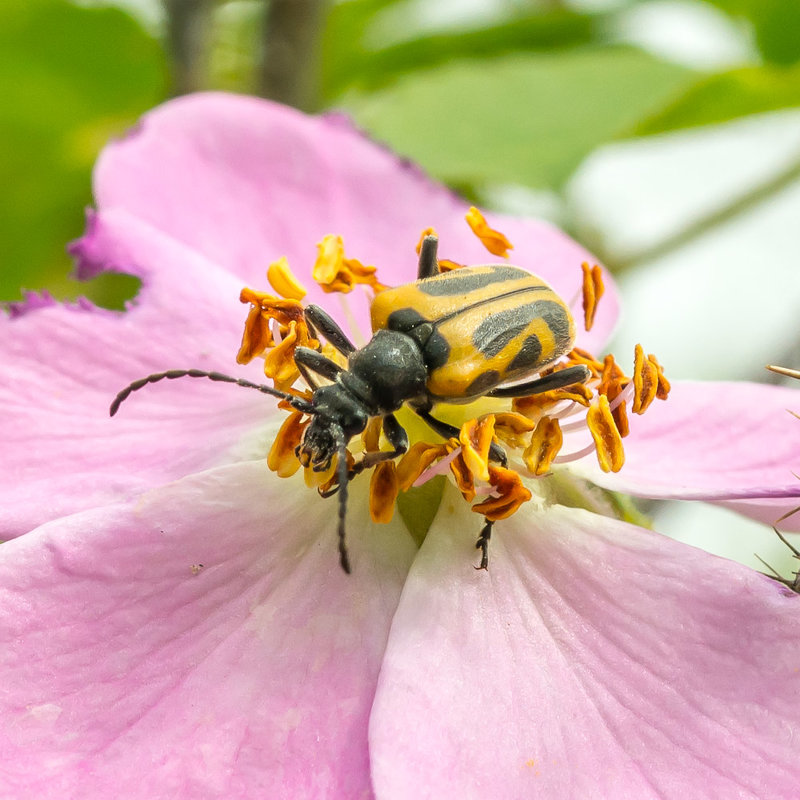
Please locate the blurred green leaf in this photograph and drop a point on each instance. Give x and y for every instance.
(70, 78)
(776, 24)
(525, 119)
(718, 98)
(349, 62)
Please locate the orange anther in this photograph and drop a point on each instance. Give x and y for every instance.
(465, 480)
(279, 361)
(494, 241)
(607, 439)
(257, 336)
(663, 384)
(579, 356)
(283, 280)
(383, 490)
(335, 273)
(510, 491)
(264, 308)
(325, 480)
(476, 440)
(418, 458)
(645, 381)
(529, 406)
(512, 429)
(546, 441)
(282, 458)
(592, 291)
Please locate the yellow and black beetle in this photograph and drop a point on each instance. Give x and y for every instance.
(449, 336)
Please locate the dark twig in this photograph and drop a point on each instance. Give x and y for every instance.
(188, 38)
(290, 53)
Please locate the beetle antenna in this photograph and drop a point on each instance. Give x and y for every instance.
(343, 477)
(296, 402)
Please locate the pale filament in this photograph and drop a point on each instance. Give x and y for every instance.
(439, 468)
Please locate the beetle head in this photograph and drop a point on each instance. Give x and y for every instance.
(320, 443)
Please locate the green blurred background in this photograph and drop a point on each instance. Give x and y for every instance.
(503, 100)
(664, 135)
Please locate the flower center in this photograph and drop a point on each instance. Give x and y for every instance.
(494, 449)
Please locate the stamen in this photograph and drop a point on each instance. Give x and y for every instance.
(546, 441)
(257, 336)
(476, 440)
(282, 458)
(283, 280)
(323, 481)
(494, 241)
(663, 384)
(565, 458)
(622, 397)
(511, 494)
(383, 490)
(577, 393)
(645, 381)
(612, 382)
(412, 469)
(512, 429)
(607, 439)
(335, 273)
(279, 361)
(465, 480)
(592, 291)
(580, 356)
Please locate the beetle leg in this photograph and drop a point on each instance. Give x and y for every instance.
(398, 439)
(555, 380)
(321, 322)
(428, 264)
(308, 361)
(483, 543)
(447, 431)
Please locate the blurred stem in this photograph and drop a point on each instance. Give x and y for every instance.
(738, 205)
(290, 53)
(188, 35)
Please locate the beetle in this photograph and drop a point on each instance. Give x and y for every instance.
(453, 336)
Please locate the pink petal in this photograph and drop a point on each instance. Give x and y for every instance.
(244, 181)
(714, 441)
(130, 671)
(63, 365)
(594, 659)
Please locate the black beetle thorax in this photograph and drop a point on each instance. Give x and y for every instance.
(388, 371)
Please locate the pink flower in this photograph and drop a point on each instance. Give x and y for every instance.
(175, 622)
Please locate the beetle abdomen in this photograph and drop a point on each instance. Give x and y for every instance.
(489, 325)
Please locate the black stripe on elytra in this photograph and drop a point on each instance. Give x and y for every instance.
(497, 330)
(457, 282)
(488, 300)
(486, 380)
(527, 356)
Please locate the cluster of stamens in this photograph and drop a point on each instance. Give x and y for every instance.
(538, 431)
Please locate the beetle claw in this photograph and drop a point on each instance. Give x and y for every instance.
(483, 544)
